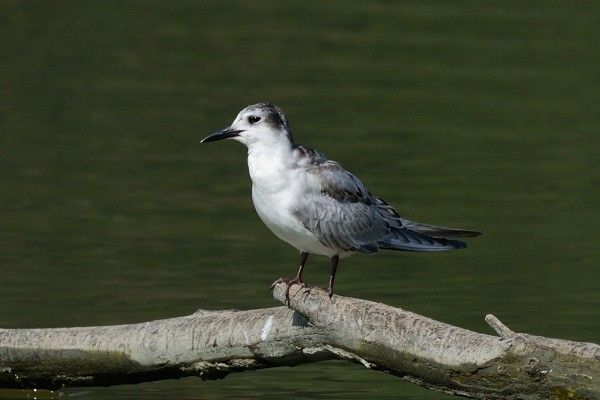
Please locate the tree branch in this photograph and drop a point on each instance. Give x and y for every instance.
(212, 344)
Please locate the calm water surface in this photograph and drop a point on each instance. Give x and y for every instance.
(461, 114)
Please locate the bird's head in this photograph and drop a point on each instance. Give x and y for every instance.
(262, 123)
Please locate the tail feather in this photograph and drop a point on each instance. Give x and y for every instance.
(439, 231)
(405, 239)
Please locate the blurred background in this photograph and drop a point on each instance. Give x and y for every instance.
(468, 114)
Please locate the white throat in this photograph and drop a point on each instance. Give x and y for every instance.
(269, 164)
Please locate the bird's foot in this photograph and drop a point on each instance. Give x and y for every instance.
(308, 289)
(328, 290)
(289, 282)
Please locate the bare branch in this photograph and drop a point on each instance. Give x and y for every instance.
(212, 344)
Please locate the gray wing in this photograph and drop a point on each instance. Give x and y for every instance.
(342, 213)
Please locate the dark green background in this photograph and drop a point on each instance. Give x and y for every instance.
(469, 114)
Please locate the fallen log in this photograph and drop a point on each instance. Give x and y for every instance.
(212, 344)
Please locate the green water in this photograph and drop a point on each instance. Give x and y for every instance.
(466, 114)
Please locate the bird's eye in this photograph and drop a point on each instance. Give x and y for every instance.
(253, 119)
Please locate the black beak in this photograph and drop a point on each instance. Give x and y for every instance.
(222, 134)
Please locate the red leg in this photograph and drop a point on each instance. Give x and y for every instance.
(298, 279)
(334, 263)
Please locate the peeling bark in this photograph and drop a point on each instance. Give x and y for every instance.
(212, 344)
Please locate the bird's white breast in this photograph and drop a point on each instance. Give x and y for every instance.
(277, 186)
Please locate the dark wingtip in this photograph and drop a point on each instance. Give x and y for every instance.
(457, 244)
(466, 233)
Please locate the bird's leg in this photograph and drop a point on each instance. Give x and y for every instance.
(334, 263)
(303, 258)
(298, 279)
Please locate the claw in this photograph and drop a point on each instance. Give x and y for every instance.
(275, 284)
(327, 290)
(289, 282)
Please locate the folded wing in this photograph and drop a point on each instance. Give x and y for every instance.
(342, 213)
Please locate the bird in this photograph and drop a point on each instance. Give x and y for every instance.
(315, 205)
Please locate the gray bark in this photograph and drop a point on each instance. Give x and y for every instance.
(212, 344)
